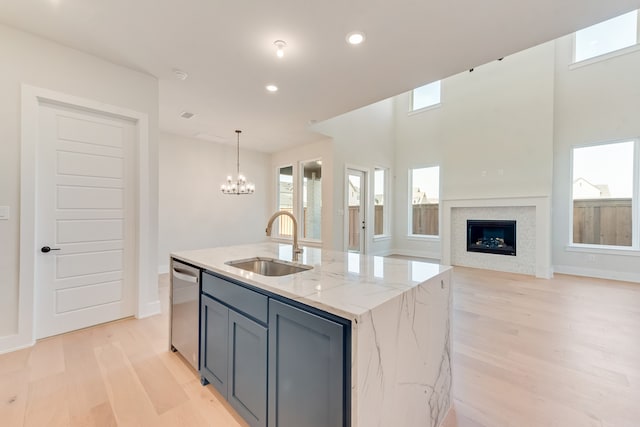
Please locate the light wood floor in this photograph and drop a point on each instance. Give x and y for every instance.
(526, 352)
(533, 352)
(117, 374)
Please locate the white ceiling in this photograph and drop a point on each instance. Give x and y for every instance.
(227, 49)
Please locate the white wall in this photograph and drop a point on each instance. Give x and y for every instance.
(598, 102)
(193, 212)
(37, 62)
(362, 138)
(492, 136)
(319, 150)
(503, 131)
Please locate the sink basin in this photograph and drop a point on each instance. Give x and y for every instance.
(268, 266)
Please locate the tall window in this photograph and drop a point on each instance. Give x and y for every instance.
(425, 96)
(604, 194)
(285, 200)
(312, 199)
(608, 36)
(379, 202)
(424, 190)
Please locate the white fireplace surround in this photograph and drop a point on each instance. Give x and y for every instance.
(533, 216)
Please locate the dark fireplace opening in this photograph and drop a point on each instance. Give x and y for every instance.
(491, 236)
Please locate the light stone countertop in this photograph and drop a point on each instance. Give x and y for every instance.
(345, 284)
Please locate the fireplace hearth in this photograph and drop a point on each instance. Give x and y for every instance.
(491, 236)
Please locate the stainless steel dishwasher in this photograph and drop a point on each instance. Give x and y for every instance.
(185, 308)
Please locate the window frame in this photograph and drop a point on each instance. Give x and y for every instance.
(299, 208)
(410, 234)
(276, 235)
(634, 249)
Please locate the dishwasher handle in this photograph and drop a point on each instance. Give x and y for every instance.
(185, 275)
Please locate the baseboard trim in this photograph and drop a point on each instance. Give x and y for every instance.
(10, 343)
(381, 253)
(432, 256)
(150, 309)
(597, 273)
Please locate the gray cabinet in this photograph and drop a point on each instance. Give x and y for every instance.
(247, 391)
(233, 347)
(214, 343)
(276, 364)
(306, 369)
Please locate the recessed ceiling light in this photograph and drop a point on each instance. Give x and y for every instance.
(280, 45)
(180, 75)
(355, 37)
(186, 115)
(272, 88)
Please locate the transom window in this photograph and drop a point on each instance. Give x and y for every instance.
(425, 96)
(608, 36)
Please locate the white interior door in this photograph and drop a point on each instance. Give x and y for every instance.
(356, 209)
(86, 216)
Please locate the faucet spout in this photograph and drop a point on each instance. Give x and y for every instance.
(297, 250)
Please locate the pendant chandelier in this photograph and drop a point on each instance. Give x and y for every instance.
(239, 185)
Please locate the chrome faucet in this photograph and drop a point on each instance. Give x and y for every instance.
(297, 250)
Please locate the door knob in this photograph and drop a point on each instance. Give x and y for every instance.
(47, 249)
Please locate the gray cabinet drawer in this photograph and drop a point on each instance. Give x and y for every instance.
(240, 298)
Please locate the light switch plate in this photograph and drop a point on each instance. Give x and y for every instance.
(4, 212)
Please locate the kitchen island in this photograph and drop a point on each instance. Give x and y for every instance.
(397, 313)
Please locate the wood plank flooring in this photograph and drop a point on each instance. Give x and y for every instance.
(534, 352)
(116, 374)
(526, 352)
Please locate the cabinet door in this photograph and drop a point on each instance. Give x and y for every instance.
(306, 369)
(248, 369)
(214, 343)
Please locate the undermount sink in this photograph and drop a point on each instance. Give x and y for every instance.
(268, 266)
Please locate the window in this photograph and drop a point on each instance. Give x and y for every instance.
(605, 194)
(285, 200)
(424, 188)
(425, 96)
(299, 191)
(312, 199)
(379, 195)
(607, 36)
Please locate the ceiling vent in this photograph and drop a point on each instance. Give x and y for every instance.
(186, 115)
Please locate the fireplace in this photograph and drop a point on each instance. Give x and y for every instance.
(491, 236)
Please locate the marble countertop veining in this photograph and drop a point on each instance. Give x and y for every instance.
(345, 284)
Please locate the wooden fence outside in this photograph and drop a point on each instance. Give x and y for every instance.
(285, 225)
(378, 220)
(602, 222)
(355, 227)
(595, 221)
(425, 219)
